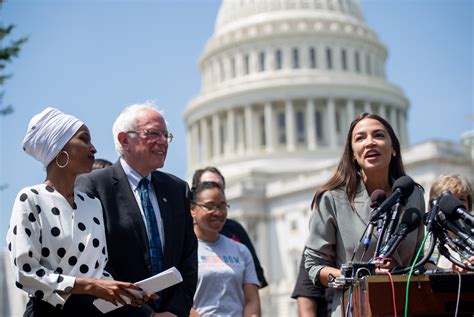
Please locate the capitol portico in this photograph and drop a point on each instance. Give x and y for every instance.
(281, 82)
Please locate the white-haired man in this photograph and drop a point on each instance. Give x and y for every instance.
(146, 212)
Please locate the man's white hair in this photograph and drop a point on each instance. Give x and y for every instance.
(128, 118)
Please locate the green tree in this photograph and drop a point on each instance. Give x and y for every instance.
(7, 53)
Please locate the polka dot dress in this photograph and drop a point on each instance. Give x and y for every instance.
(51, 242)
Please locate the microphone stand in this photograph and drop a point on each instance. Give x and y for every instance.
(386, 219)
(393, 221)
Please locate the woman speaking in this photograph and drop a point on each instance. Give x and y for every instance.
(371, 161)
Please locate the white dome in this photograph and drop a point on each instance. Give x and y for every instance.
(232, 12)
(281, 82)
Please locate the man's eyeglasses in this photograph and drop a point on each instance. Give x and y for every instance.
(154, 135)
(211, 208)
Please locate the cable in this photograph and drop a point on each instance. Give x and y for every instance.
(412, 268)
(393, 292)
(459, 294)
(351, 289)
(347, 307)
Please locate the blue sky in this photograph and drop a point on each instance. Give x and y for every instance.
(92, 58)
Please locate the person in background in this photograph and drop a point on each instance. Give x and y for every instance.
(458, 186)
(147, 215)
(232, 229)
(371, 160)
(56, 237)
(100, 163)
(310, 299)
(227, 282)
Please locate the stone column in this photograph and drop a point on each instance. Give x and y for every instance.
(290, 125)
(216, 136)
(332, 132)
(249, 131)
(393, 119)
(321, 57)
(310, 125)
(336, 57)
(241, 133)
(204, 140)
(367, 107)
(239, 64)
(383, 111)
(287, 58)
(304, 56)
(350, 111)
(269, 127)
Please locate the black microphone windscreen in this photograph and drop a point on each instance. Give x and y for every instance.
(411, 218)
(448, 204)
(377, 197)
(405, 184)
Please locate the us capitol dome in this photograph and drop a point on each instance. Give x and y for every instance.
(281, 82)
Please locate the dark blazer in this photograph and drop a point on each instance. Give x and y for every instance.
(127, 242)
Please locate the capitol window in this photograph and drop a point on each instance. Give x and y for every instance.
(357, 61)
(278, 59)
(281, 128)
(246, 64)
(344, 59)
(261, 59)
(312, 57)
(329, 58)
(296, 60)
(318, 125)
(300, 128)
(262, 130)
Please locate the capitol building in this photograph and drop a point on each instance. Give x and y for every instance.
(281, 82)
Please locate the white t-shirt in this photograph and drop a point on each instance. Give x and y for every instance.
(52, 243)
(223, 268)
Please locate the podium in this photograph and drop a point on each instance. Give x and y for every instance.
(429, 295)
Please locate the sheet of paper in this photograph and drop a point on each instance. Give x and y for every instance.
(150, 285)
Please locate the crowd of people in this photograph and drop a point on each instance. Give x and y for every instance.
(92, 228)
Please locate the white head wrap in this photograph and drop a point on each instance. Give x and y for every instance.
(48, 132)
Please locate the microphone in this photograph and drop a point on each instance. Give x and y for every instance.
(454, 209)
(465, 239)
(376, 198)
(402, 188)
(410, 221)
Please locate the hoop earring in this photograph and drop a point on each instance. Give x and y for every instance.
(67, 159)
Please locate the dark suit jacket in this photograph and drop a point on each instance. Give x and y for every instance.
(127, 241)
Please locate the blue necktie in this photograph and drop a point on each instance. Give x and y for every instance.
(156, 251)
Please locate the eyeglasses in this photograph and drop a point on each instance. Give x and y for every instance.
(211, 208)
(154, 135)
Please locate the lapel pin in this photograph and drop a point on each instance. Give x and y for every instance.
(165, 200)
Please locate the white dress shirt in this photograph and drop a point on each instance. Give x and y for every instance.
(133, 179)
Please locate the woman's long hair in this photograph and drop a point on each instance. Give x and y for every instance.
(347, 174)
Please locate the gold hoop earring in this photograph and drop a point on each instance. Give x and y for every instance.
(67, 159)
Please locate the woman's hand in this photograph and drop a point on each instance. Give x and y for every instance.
(109, 290)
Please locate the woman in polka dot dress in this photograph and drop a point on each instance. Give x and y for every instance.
(56, 236)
